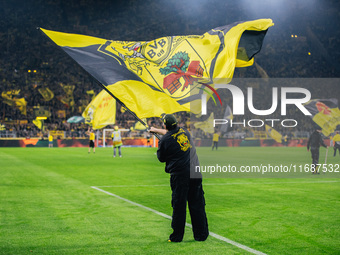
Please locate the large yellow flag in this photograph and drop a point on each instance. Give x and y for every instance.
(274, 134)
(325, 113)
(101, 111)
(168, 74)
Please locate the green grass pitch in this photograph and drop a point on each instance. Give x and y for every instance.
(48, 205)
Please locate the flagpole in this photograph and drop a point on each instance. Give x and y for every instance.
(122, 104)
(326, 158)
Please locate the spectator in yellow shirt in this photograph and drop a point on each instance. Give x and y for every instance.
(92, 137)
(50, 141)
(216, 137)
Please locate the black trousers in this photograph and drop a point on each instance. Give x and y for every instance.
(336, 147)
(215, 144)
(315, 156)
(186, 190)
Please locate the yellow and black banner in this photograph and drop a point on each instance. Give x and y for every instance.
(325, 113)
(38, 123)
(273, 134)
(46, 93)
(165, 75)
(67, 99)
(9, 98)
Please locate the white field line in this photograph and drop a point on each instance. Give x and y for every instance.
(220, 184)
(224, 239)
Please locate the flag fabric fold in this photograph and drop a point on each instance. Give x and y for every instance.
(165, 75)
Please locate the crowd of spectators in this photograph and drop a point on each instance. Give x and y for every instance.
(29, 61)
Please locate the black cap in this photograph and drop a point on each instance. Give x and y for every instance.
(316, 127)
(170, 121)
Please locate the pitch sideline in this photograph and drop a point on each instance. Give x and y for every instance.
(224, 239)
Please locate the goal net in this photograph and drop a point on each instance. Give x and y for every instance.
(107, 132)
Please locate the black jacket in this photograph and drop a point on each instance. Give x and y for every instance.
(315, 141)
(177, 150)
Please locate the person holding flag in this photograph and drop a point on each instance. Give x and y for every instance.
(117, 141)
(171, 73)
(314, 143)
(177, 150)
